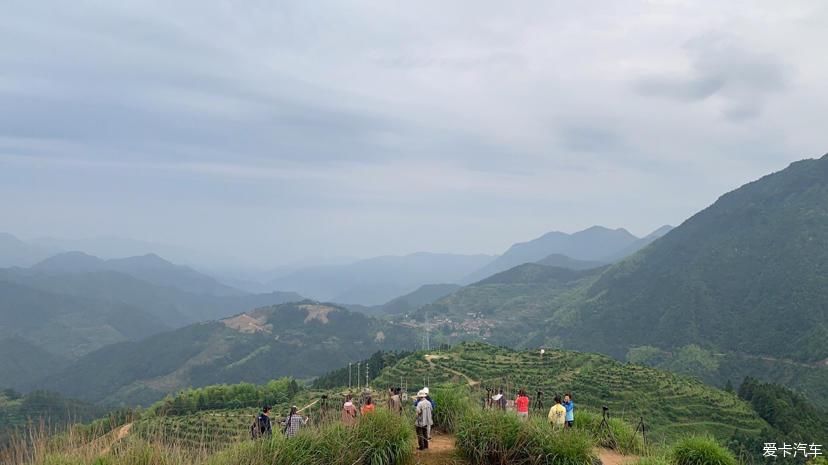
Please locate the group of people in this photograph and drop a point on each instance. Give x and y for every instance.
(561, 415)
(262, 425)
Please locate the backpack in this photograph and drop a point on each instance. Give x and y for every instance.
(260, 426)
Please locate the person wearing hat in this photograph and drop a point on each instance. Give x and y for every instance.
(424, 421)
(293, 422)
(349, 411)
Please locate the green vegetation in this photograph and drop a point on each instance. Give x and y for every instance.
(700, 450)
(671, 405)
(453, 403)
(376, 363)
(300, 339)
(619, 435)
(492, 437)
(40, 409)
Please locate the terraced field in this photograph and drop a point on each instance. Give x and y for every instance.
(671, 405)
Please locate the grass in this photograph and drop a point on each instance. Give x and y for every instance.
(619, 436)
(494, 438)
(700, 450)
(378, 439)
(453, 403)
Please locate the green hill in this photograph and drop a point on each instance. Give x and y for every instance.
(670, 404)
(50, 410)
(301, 339)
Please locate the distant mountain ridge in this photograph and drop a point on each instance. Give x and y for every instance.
(149, 267)
(594, 244)
(375, 281)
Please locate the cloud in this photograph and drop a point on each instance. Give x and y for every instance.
(721, 66)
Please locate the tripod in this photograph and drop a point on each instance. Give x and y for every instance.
(643, 428)
(537, 403)
(606, 432)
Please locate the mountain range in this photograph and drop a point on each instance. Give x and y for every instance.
(597, 244)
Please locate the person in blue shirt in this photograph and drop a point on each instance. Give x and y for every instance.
(570, 410)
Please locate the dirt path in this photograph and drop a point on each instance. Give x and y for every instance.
(432, 358)
(611, 457)
(441, 451)
(117, 435)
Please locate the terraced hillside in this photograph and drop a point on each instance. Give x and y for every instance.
(671, 405)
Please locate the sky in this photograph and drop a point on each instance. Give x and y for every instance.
(271, 132)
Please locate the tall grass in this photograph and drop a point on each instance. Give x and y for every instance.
(378, 439)
(619, 436)
(496, 438)
(700, 450)
(453, 402)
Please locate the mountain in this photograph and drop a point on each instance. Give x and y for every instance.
(592, 244)
(14, 252)
(424, 295)
(562, 261)
(23, 362)
(749, 274)
(740, 289)
(639, 244)
(150, 268)
(377, 280)
(67, 325)
(299, 339)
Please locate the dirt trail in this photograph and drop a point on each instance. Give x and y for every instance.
(117, 435)
(441, 451)
(611, 457)
(431, 358)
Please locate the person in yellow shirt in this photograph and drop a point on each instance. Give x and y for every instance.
(557, 414)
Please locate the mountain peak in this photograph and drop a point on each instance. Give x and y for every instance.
(74, 261)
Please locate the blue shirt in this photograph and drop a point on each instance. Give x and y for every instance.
(570, 410)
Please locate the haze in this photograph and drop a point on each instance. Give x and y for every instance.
(268, 132)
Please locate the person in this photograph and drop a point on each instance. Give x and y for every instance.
(261, 424)
(293, 422)
(368, 407)
(500, 400)
(423, 421)
(395, 403)
(349, 411)
(557, 414)
(570, 410)
(522, 405)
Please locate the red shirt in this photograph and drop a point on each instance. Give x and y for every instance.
(522, 404)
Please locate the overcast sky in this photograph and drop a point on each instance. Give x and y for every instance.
(271, 131)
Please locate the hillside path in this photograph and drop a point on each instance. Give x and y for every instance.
(431, 358)
(117, 435)
(441, 451)
(611, 457)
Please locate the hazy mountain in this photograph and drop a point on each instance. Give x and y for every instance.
(410, 302)
(300, 339)
(69, 326)
(748, 274)
(24, 362)
(15, 252)
(639, 244)
(562, 261)
(374, 281)
(593, 244)
(150, 268)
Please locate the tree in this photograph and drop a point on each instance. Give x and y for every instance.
(728, 386)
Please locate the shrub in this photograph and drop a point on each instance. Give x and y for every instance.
(547, 446)
(700, 450)
(654, 460)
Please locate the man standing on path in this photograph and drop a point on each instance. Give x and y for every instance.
(423, 421)
(557, 414)
(570, 410)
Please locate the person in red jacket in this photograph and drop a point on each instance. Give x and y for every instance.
(522, 405)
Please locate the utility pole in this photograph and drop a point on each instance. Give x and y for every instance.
(349, 376)
(358, 376)
(366, 375)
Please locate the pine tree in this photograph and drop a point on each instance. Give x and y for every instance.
(728, 387)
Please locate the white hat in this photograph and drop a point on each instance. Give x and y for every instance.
(421, 394)
(497, 396)
(425, 390)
